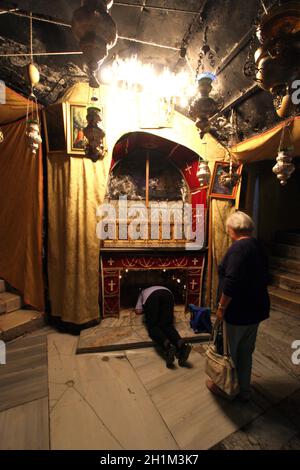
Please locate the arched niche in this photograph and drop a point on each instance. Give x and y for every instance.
(148, 168)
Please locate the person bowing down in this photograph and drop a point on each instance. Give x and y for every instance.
(157, 304)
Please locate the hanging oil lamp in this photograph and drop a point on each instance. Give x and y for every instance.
(277, 59)
(284, 167)
(203, 173)
(96, 32)
(32, 112)
(229, 179)
(94, 148)
(204, 107)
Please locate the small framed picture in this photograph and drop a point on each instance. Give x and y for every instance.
(76, 122)
(222, 187)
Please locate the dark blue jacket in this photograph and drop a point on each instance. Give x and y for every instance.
(244, 276)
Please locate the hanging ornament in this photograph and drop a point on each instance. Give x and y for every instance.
(94, 133)
(231, 178)
(32, 112)
(203, 173)
(284, 167)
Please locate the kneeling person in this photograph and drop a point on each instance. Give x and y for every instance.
(157, 303)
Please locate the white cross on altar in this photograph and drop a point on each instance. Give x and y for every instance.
(195, 261)
(188, 169)
(111, 285)
(110, 262)
(194, 284)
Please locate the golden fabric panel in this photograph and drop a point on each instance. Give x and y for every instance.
(21, 211)
(76, 187)
(221, 210)
(265, 146)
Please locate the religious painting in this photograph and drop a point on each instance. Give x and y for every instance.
(76, 122)
(55, 128)
(222, 186)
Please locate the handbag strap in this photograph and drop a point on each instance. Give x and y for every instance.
(226, 348)
(215, 331)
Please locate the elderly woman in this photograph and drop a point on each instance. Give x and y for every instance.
(243, 297)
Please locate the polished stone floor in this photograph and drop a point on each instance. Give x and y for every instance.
(129, 332)
(53, 398)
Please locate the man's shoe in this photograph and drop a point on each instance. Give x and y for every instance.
(170, 355)
(183, 354)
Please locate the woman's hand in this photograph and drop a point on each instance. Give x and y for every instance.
(220, 314)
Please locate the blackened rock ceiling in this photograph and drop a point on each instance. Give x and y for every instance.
(224, 26)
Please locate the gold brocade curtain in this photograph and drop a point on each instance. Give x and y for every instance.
(21, 209)
(221, 210)
(76, 187)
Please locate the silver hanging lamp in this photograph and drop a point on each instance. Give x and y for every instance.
(284, 167)
(204, 173)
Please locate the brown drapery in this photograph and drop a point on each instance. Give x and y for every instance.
(76, 187)
(21, 209)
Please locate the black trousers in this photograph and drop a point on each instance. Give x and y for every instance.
(159, 316)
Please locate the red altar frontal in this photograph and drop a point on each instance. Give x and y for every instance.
(113, 265)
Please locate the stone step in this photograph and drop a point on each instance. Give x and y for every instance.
(290, 238)
(9, 302)
(285, 301)
(20, 322)
(285, 264)
(284, 250)
(2, 286)
(286, 281)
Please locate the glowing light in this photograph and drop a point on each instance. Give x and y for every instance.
(133, 74)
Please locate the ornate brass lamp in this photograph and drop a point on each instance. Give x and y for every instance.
(204, 107)
(96, 32)
(95, 148)
(277, 60)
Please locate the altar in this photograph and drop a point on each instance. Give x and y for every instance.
(188, 267)
(152, 172)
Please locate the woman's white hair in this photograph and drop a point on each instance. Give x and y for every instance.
(240, 222)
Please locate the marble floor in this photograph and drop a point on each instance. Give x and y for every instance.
(129, 332)
(53, 398)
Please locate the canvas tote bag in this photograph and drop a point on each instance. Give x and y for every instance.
(220, 368)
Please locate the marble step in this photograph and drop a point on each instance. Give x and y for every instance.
(290, 238)
(286, 281)
(9, 302)
(15, 324)
(284, 250)
(284, 301)
(288, 265)
(2, 286)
